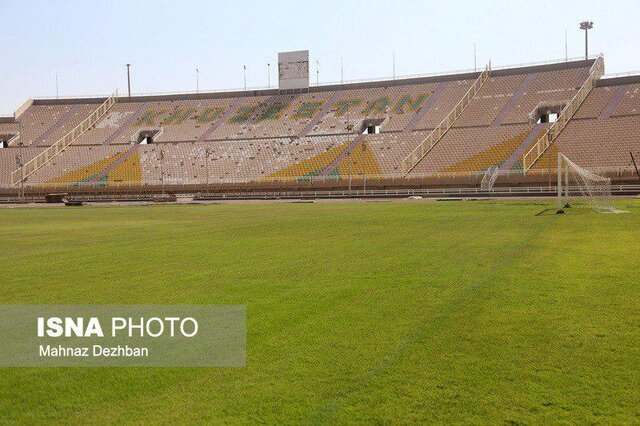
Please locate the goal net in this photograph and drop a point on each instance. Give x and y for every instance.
(580, 188)
(489, 178)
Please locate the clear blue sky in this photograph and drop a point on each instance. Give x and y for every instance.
(88, 42)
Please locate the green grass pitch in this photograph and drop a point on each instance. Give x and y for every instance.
(473, 312)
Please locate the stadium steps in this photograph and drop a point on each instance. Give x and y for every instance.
(326, 109)
(85, 173)
(363, 162)
(492, 156)
(530, 158)
(426, 107)
(128, 170)
(425, 146)
(126, 126)
(614, 103)
(515, 99)
(57, 125)
(110, 167)
(36, 163)
(308, 167)
(227, 114)
(349, 147)
(526, 143)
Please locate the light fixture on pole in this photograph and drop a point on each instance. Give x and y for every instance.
(586, 26)
(57, 92)
(317, 73)
(197, 80)
(269, 75)
(245, 77)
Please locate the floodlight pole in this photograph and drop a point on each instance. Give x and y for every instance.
(586, 26)
(269, 75)
(197, 80)
(129, 79)
(586, 44)
(245, 77)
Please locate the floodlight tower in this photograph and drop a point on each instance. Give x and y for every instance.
(586, 26)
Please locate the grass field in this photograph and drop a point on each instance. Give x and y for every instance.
(474, 312)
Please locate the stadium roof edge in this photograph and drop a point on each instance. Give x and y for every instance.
(434, 78)
(619, 79)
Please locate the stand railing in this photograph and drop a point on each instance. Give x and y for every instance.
(537, 150)
(31, 166)
(412, 160)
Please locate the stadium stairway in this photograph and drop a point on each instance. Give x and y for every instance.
(492, 156)
(58, 124)
(230, 110)
(326, 109)
(349, 147)
(312, 166)
(515, 99)
(85, 173)
(121, 159)
(363, 162)
(611, 107)
(127, 125)
(426, 107)
(526, 143)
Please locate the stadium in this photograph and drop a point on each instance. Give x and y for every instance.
(439, 133)
(372, 251)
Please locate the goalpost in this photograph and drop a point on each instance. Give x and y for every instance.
(489, 178)
(578, 187)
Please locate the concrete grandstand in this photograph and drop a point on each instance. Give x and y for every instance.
(331, 136)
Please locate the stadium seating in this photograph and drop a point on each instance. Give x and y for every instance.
(491, 100)
(271, 135)
(76, 164)
(472, 149)
(590, 144)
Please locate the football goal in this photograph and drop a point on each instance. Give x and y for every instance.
(580, 188)
(489, 178)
